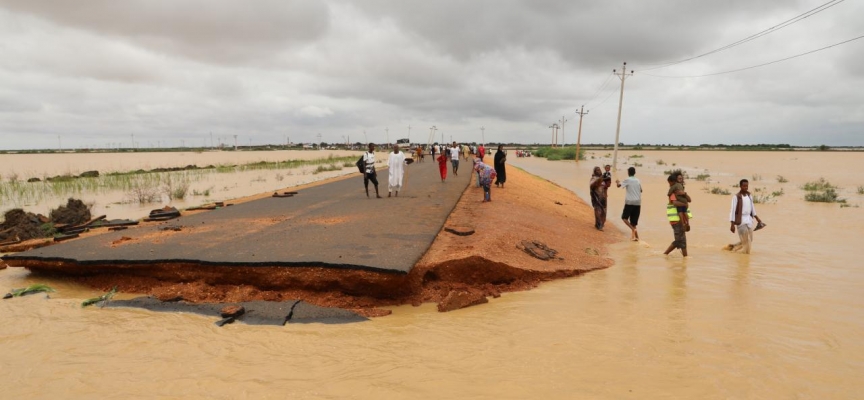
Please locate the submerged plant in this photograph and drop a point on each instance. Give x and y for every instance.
(37, 288)
(781, 179)
(105, 298)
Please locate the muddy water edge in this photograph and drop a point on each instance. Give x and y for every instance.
(783, 322)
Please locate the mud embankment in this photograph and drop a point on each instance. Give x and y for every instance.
(458, 270)
(359, 290)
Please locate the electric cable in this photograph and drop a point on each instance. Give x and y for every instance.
(754, 36)
(755, 66)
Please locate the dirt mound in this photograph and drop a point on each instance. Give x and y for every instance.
(20, 225)
(75, 212)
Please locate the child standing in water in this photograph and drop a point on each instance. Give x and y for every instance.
(681, 195)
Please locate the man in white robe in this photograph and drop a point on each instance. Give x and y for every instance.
(396, 161)
(742, 217)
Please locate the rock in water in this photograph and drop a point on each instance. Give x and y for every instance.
(232, 311)
(461, 299)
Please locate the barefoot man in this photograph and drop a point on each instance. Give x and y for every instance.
(632, 202)
(741, 216)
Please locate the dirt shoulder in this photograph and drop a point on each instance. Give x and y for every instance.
(456, 271)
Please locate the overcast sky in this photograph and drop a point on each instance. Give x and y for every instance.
(171, 72)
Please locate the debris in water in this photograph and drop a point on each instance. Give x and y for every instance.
(37, 288)
(105, 298)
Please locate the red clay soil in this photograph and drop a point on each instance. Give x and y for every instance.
(485, 263)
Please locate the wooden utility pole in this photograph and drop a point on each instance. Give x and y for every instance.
(581, 113)
(623, 75)
(554, 133)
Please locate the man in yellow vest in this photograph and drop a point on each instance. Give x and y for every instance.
(680, 241)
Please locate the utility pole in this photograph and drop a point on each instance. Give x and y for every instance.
(59, 144)
(623, 76)
(581, 113)
(133, 142)
(432, 130)
(387, 133)
(554, 133)
(563, 120)
(409, 135)
(483, 135)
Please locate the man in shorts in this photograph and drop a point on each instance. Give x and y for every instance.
(632, 202)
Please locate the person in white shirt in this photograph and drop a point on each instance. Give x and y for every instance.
(370, 175)
(741, 216)
(632, 202)
(396, 161)
(454, 158)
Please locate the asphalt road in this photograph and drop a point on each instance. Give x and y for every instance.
(331, 225)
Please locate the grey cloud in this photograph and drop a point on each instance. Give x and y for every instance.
(202, 29)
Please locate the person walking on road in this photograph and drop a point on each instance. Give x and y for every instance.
(370, 174)
(598, 198)
(454, 158)
(442, 166)
(742, 217)
(680, 234)
(500, 170)
(632, 202)
(396, 161)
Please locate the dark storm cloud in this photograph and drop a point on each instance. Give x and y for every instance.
(209, 30)
(587, 33)
(166, 70)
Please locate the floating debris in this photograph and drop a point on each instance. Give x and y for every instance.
(32, 289)
(105, 298)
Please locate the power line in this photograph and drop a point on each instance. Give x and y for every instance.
(754, 36)
(757, 66)
(611, 92)
(597, 92)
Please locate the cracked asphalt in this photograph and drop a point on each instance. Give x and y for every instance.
(330, 225)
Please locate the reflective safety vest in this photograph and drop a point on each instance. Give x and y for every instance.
(672, 213)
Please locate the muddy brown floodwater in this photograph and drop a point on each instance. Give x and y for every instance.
(783, 322)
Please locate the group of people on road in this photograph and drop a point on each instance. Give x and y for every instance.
(742, 216)
(451, 154)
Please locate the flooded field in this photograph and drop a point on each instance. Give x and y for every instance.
(783, 322)
(235, 175)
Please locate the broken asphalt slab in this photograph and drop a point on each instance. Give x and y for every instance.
(331, 225)
(256, 312)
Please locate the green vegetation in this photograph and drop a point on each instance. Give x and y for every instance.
(103, 298)
(822, 191)
(140, 186)
(661, 162)
(637, 164)
(637, 156)
(861, 189)
(702, 177)
(778, 193)
(326, 168)
(676, 170)
(559, 153)
(37, 288)
(781, 179)
(817, 185)
(719, 190)
(756, 178)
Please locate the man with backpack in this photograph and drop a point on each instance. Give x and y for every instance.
(367, 166)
